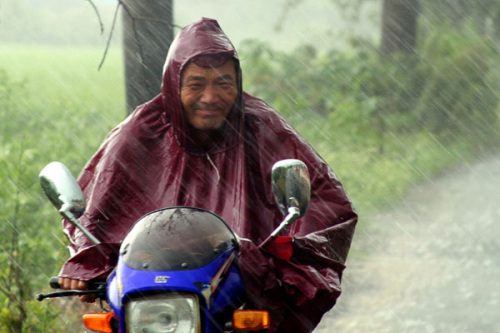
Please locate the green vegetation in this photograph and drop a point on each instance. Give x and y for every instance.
(54, 106)
(383, 124)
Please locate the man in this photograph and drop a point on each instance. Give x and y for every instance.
(203, 142)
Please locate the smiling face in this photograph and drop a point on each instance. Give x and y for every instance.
(208, 95)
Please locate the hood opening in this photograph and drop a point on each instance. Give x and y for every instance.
(205, 44)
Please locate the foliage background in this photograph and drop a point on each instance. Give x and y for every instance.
(383, 123)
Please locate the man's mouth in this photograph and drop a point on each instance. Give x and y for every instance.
(209, 111)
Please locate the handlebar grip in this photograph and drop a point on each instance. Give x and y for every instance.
(97, 288)
(54, 282)
(93, 285)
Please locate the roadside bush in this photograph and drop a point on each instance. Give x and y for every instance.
(385, 123)
(25, 251)
(448, 87)
(459, 96)
(53, 107)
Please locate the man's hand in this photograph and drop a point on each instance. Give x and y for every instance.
(74, 284)
(67, 283)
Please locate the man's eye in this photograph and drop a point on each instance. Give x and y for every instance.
(195, 86)
(225, 84)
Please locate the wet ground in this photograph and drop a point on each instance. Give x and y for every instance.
(431, 264)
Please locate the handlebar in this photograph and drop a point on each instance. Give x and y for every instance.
(97, 288)
(54, 282)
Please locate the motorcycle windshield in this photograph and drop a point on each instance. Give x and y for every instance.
(177, 238)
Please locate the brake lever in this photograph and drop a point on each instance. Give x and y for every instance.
(98, 288)
(66, 293)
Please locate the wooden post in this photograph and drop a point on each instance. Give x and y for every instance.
(147, 35)
(399, 26)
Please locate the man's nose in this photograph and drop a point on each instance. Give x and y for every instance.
(209, 95)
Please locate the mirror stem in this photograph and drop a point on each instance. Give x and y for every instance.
(65, 211)
(293, 214)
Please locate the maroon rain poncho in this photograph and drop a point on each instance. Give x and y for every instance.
(149, 162)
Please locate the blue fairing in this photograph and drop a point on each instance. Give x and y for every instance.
(217, 283)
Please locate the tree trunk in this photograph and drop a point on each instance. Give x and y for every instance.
(147, 35)
(399, 26)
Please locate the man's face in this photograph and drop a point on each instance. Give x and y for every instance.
(208, 94)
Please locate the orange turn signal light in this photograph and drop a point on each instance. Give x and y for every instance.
(250, 320)
(100, 322)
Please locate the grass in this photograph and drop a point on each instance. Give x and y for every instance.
(66, 103)
(55, 106)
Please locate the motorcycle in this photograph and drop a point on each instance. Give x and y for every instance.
(177, 267)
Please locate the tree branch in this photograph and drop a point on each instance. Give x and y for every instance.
(115, 16)
(98, 15)
(5, 291)
(287, 7)
(5, 285)
(119, 4)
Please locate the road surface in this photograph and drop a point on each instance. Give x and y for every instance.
(431, 264)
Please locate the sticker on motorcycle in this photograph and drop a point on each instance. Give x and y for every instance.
(161, 279)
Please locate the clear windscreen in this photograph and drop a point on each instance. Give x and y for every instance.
(176, 238)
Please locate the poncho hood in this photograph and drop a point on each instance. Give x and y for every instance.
(206, 38)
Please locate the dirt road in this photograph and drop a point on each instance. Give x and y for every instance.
(430, 265)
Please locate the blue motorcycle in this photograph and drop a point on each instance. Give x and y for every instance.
(177, 267)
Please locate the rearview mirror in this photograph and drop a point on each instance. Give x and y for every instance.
(291, 185)
(65, 194)
(62, 189)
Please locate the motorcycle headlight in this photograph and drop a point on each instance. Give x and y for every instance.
(163, 314)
